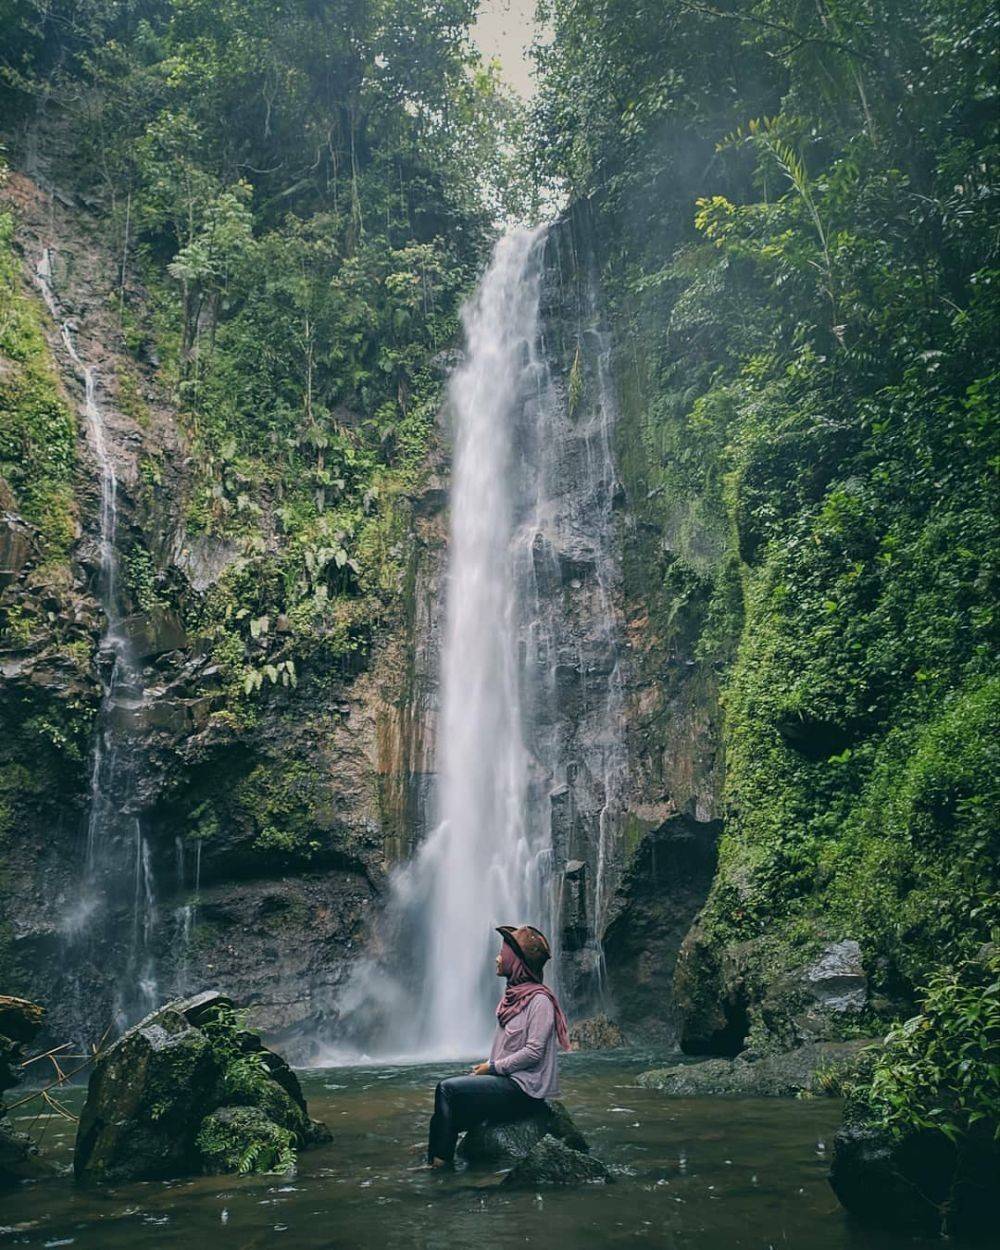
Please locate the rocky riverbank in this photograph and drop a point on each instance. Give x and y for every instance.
(818, 1068)
(20, 1022)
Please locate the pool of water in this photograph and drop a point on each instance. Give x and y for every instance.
(692, 1174)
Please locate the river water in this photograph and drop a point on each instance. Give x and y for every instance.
(705, 1174)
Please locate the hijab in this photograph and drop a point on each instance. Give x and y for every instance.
(522, 986)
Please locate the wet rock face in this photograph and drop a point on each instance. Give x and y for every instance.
(267, 839)
(155, 1100)
(921, 1182)
(552, 1162)
(489, 1144)
(17, 546)
(837, 979)
(661, 893)
(726, 996)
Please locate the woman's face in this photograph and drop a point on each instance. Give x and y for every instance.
(500, 961)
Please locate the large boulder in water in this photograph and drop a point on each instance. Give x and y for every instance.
(503, 1144)
(152, 1095)
(920, 1181)
(20, 1020)
(552, 1162)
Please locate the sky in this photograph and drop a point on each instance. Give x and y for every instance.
(504, 29)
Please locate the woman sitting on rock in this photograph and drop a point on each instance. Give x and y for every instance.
(522, 1070)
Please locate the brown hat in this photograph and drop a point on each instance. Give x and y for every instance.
(530, 943)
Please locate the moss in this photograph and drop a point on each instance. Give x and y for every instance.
(835, 571)
(129, 396)
(278, 801)
(37, 428)
(141, 577)
(247, 1082)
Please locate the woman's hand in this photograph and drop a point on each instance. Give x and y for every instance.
(481, 1069)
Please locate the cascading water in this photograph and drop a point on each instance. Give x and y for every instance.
(484, 864)
(117, 894)
(531, 712)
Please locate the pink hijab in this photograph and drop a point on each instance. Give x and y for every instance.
(523, 985)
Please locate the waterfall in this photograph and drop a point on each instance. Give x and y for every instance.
(117, 876)
(484, 864)
(530, 745)
(185, 917)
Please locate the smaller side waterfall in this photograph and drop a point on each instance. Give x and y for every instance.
(115, 912)
(185, 917)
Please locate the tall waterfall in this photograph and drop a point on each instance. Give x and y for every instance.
(530, 756)
(484, 864)
(115, 911)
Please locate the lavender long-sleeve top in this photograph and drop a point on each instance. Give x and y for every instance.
(525, 1049)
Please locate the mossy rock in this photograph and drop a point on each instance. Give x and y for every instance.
(809, 1069)
(245, 1140)
(919, 1182)
(145, 1102)
(246, 1082)
(19, 1157)
(491, 1144)
(153, 1095)
(552, 1162)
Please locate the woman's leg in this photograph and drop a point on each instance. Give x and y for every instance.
(462, 1101)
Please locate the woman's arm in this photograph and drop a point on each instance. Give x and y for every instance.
(541, 1021)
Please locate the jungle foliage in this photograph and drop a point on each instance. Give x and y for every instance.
(308, 191)
(797, 208)
(37, 428)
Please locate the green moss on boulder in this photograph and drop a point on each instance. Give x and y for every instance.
(153, 1099)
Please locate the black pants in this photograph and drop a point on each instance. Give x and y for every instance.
(462, 1101)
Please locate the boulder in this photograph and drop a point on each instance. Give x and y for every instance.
(20, 1020)
(552, 1162)
(145, 1102)
(596, 1033)
(19, 1157)
(805, 1070)
(500, 1144)
(919, 1182)
(152, 633)
(153, 1095)
(837, 980)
